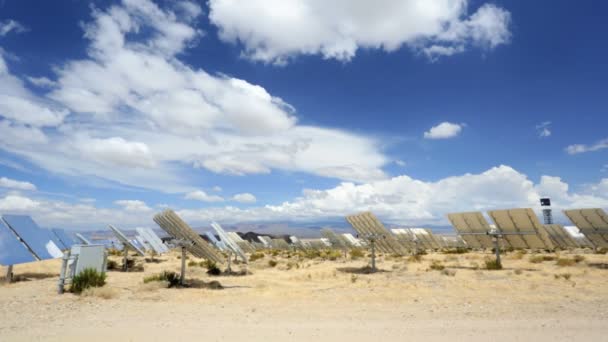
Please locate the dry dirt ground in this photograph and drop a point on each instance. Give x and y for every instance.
(304, 299)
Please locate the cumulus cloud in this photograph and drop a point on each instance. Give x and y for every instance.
(582, 148)
(244, 198)
(200, 195)
(133, 205)
(133, 113)
(15, 184)
(337, 29)
(444, 130)
(544, 129)
(17, 203)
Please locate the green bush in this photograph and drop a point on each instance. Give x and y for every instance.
(171, 277)
(89, 277)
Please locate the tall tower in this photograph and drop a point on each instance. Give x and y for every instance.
(546, 204)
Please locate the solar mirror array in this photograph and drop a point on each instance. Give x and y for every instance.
(593, 223)
(370, 228)
(229, 242)
(150, 237)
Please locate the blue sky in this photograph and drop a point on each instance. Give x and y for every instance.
(111, 111)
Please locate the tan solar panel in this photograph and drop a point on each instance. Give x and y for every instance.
(474, 223)
(170, 222)
(593, 223)
(523, 221)
(561, 238)
(366, 223)
(405, 237)
(337, 241)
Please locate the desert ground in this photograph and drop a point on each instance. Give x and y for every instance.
(303, 298)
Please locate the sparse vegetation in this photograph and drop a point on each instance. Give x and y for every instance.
(565, 276)
(356, 253)
(89, 277)
(448, 272)
(212, 268)
(193, 263)
(603, 250)
(437, 265)
(578, 258)
(518, 271)
(415, 258)
(493, 265)
(331, 254)
(256, 256)
(457, 250)
(115, 252)
(100, 292)
(353, 278)
(565, 262)
(519, 255)
(272, 263)
(170, 277)
(292, 264)
(112, 265)
(536, 259)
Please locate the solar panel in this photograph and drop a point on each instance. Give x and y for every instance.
(244, 244)
(593, 223)
(39, 241)
(154, 242)
(12, 250)
(170, 222)
(559, 235)
(406, 237)
(337, 241)
(265, 240)
(63, 237)
(125, 241)
(83, 239)
(142, 243)
(366, 224)
(352, 240)
(229, 242)
(472, 226)
(279, 244)
(524, 222)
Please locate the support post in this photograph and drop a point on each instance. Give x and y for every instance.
(497, 251)
(182, 276)
(229, 259)
(125, 259)
(373, 242)
(9, 274)
(64, 266)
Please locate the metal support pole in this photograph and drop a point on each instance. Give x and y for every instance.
(9, 274)
(125, 259)
(373, 241)
(229, 259)
(497, 251)
(64, 265)
(182, 276)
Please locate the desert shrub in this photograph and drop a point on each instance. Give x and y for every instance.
(356, 253)
(331, 254)
(602, 250)
(256, 256)
(565, 262)
(536, 259)
(292, 264)
(275, 252)
(457, 250)
(212, 268)
(519, 255)
(115, 252)
(493, 265)
(170, 277)
(578, 258)
(437, 265)
(89, 277)
(192, 263)
(311, 254)
(448, 272)
(353, 278)
(566, 276)
(272, 263)
(415, 258)
(112, 265)
(518, 271)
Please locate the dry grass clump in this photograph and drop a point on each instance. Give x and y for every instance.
(448, 272)
(602, 250)
(561, 262)
(437, 265)
(519, 255)
(331, 254)
(115, 252)
(415, 258)
(292, 264)
(100, 292)
(492, 264)
(112, 265)
(578, 258)
(537, 259)
(256, 256)
(518, 271)
(170, 277)
(565, 276)
(457, 250)
(272, 263)
(353, 278)
(356, 253)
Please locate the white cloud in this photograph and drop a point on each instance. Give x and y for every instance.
(581, 148)
(400, 200)
(244, 198)
(444, 130)
(15, 184)
(9, 25)
(200, 195)
(41, 82)
(400, 163)
(337, 29)
(133, 113)
(133, 205)
(543, 129)
(17, 203)
(217, 188)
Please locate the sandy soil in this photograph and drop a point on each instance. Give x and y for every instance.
(321, 300)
